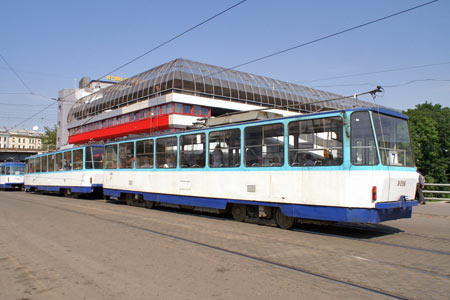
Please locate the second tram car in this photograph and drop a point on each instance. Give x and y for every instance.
(11, 175)
(349, 166)
(72, 171)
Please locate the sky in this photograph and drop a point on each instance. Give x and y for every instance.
(52, 44)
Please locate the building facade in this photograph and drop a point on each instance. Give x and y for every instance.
(20, 139)
(66, 99)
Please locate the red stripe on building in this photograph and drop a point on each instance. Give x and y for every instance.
(136, 127)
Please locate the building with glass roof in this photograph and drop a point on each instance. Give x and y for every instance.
(174, 95)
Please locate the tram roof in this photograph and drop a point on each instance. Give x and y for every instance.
(381, 110)
(195, 78)
(12, 164)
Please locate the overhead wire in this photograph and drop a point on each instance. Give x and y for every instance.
(331, 35)
(278, 52)
(155, 48)
(307, 43)
(174, 38)
(388, 86)
(377, 72)
(17, 75)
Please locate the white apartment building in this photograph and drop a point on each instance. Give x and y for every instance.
(20, 139)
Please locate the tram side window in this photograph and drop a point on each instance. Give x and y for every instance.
(78, 159)
(97, 157)
(37, 163)
(88, 163)
(193, 151)
(27, 166)
(225, 148)
(50, 162)
(111, 156)
(31, 166)
(7, 170)
(44, 163)
(393, 139)
(166, 152)
(363, 149)
(19, 170)
(68, 161)
(126, 155)
(316, 142)
(264, 146)
(144, 154)
(59, 162)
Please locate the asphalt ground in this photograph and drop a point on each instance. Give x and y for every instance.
(53, 247)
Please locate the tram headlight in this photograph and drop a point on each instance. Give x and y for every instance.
(374, 193)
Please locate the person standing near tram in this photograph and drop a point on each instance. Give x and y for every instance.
(420, 187)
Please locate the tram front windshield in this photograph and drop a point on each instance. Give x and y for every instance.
(15, 170)
(393, 140)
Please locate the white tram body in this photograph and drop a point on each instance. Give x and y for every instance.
(349, 166)
(78, 170)
(11, 175)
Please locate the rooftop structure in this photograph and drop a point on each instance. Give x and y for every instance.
(173, 96)
(195, 78)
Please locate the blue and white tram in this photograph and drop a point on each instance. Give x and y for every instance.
(349, 166)
(72, 171)
(11, 175)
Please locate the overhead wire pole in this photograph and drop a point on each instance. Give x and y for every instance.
(146, 53)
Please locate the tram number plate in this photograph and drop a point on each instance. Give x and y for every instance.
(401, 183)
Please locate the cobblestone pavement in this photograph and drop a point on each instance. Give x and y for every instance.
(407, 258)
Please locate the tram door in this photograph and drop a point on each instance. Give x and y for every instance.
(363, 151)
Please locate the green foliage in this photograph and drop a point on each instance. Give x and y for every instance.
(49, 137)
(430, 134)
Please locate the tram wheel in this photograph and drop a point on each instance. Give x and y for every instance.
(129, 199)
(283, 221)
(239, 212)
(67, 193)
(149, 204)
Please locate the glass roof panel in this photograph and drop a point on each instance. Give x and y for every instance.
(212, 81)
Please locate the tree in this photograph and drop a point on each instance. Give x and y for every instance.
(430, 134)
(49, 137)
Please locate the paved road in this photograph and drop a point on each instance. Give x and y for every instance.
(60, 248)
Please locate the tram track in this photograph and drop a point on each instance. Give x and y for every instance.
(378, 241)
(243, 254)
(231, 252)
(321, 231)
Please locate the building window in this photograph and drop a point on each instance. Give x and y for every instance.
(178, 108)
(197, 110)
